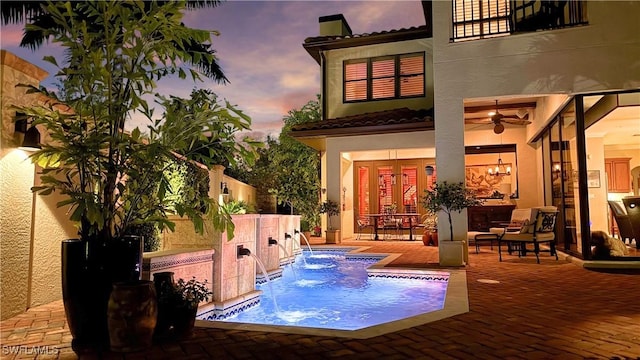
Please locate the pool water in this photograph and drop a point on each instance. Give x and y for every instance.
(331, 290)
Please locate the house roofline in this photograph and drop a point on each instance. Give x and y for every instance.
(314, 45)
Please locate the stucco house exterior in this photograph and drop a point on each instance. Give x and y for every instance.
(566, 73)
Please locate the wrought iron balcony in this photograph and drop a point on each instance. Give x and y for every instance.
(478, 19)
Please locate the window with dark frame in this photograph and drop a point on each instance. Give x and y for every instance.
(478, 19)
(385, 77)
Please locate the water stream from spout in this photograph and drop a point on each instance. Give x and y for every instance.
(304, 259)
(307, 241)
(264, 272)
(286, 254)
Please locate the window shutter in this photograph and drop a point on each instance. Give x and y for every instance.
(383, 75)
(355, 75)
(412, 75)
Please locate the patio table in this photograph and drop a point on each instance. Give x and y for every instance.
(402, 216)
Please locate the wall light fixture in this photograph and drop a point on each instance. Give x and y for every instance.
(31, 141)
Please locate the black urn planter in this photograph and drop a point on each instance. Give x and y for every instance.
(165, 292)
(89, 268)
(132, 315)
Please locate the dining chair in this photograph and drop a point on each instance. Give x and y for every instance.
(364, 223)
(625, 229)
(632, 206)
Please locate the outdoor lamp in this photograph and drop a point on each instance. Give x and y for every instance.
(429, 170)
(224, 188)
(31, 141)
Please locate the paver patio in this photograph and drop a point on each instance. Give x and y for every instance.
(552, 310)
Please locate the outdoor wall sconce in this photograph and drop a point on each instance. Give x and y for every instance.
(344, 198)
(31, 141)
(429, 170)
(224, 188)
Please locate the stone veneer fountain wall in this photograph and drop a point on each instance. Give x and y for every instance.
(235, 276)
(213, 257)
(267, 227)
(287, 225)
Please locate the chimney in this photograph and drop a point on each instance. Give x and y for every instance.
(334, 25)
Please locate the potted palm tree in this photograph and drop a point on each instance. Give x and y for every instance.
(112, 173)
(331, 208)
(449, 197)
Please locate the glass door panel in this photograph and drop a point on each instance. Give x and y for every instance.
(570, 161)
(364, 206)
(409, 189)
(386, 180)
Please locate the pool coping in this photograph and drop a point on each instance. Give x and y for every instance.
(456, 303)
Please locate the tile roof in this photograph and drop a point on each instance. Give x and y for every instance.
(364, 35)
(403, 119)
(314, 45)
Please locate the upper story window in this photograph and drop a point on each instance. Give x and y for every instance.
(476, 19)
(385, 77)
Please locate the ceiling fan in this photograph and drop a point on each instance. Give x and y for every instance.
(497, 119)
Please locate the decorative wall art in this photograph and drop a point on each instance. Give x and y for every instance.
(484, 184)
(593, 178)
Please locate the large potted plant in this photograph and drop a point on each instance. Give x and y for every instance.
(331, 208)
(449, 197)
(112, 173)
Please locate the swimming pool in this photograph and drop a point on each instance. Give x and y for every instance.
(331, 289)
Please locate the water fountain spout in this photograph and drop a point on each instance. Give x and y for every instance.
(272, 241)
(242, 251)
(287, 236)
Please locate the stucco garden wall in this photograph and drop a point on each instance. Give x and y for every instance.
(31, 227)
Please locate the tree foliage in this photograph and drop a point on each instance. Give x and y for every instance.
(42, 22)
(114, 179)
(289, 169)
(449, 197)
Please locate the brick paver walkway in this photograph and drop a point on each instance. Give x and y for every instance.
(552, 310)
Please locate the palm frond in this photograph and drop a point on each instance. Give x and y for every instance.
(14, 12)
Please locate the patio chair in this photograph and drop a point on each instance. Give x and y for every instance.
(625, 229)
(542, 231)
(364, 223)
(519, 222)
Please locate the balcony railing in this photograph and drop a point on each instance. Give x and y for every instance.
(478, 19)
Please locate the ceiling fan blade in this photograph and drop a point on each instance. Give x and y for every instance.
(526, 117)
(478, 121)
(516, 121)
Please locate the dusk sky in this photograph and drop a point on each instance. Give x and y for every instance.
(260, 50)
